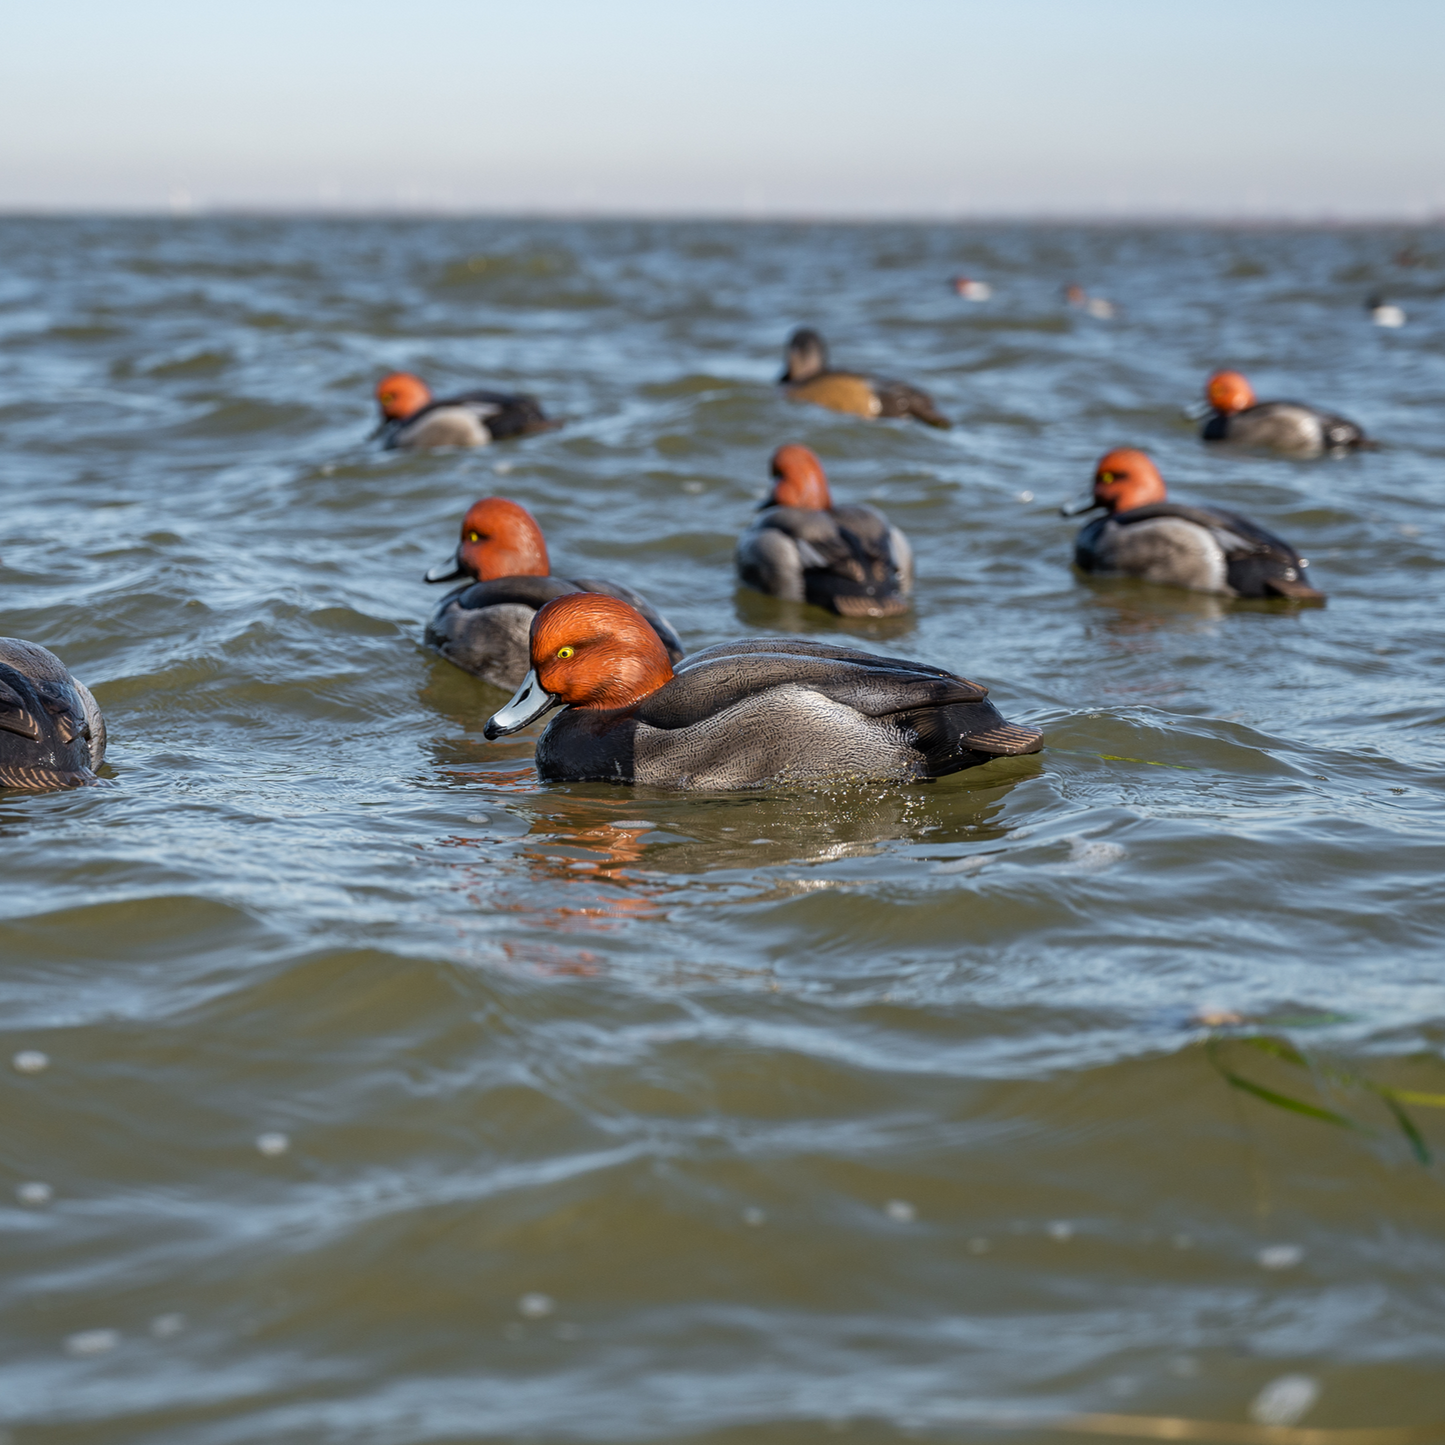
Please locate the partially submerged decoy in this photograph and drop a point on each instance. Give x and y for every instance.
(1204, 549)
(803, 548)
(51, 732)
(748, 714)
(1279, 426)
(483, 625)
(808, 377)
(412, 418)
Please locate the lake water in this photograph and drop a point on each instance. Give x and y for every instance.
(394, 1097)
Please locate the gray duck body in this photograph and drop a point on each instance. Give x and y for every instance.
(485, 628)
(850, 560)
(51, 732)
(1289, 427)
(765, 711)
(471, 419)
(1204, 549)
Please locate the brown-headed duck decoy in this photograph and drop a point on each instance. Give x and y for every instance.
(1277, 426)
(746, 714)
(484, 624)
(803, 548)
(51, 732)
(1205, 549)
(412, 418)
(808, 377)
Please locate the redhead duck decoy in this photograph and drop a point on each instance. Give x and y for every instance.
(412, 418)
(741, 714)
(51, 732)
(484, 624)
(803, 548)
(970, 289)
(1279, 426)
(808, 377)
(1205, 549)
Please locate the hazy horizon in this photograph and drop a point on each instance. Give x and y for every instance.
(1046, 110)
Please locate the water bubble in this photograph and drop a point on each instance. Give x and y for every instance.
(1280, 1256)
(1086, 856)
(693, 489)
(900, 1210)
(30, 1061)
(164, 1326)
(34, 1192)
(534, 1306)
(92, 1342)
(754, 1216)
(1285, 1400)
(1061, 1230)
(272, 1144)
(1025, 496)
(477, 818)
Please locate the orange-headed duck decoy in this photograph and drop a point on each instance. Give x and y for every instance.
(484, 624)
(412, 418)
(765, 710)
(1277, 426)
(1205, 549)
(808, 377)
(51, 732)
(803, 548)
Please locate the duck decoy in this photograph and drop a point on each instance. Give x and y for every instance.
(1279, 426)
(411, 418)
(1204, 549)
(51, 732)
(803, 548)
(808, 377)
(747, 714)
(484, 624)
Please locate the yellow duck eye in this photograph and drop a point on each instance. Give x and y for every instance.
(1106, 477)
(474, 536)
(564, 652)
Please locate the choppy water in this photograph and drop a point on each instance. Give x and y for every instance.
(612, 1115)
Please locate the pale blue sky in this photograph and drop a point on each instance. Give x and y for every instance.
(1015, 107)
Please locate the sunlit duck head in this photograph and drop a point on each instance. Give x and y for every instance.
(587, 651)
(1228, 392)
(1124, 479)
(499, 539)
(806, 357)
(799, 480)
(401, 395)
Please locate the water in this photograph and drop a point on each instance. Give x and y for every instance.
(391, 1097)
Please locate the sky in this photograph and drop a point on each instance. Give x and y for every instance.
(1322, 110)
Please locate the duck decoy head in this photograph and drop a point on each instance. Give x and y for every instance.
(588, 651)
(401, 395)
(799, 480)
(1124, 479)
(1229, 392)
(806, 356)
(499, 539)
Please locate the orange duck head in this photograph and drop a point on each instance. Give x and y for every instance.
(1229, 392)
(1124, 479)
(588, 651)
(401, 395)
(799, 480)
(499, 539)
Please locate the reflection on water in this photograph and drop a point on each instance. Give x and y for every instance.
(1102, 1082)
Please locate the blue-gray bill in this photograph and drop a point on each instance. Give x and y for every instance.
(448, 571)
(529, 702)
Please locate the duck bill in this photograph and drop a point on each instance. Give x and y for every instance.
(528, 703)
(448, 571)
(1079, 506)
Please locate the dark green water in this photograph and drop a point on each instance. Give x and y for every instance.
(622, 1116)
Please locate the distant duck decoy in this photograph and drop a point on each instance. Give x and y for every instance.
(1384, 313)
(746, 714)
(970, 289)
(1280, 426)
(51, 732)
(484, 624)
(411, 418)
(1095, 306)
(1204, 549)
(803, 548)
(808, 377)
